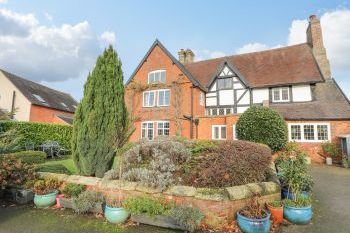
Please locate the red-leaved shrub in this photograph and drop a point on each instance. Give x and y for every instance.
(231, 163)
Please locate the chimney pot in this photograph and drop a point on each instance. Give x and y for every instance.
(186, 56)
(182, 56)
(312, 17)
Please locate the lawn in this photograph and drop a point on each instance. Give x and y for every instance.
(65, 166)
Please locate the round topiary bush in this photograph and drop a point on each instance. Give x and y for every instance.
(263, 125)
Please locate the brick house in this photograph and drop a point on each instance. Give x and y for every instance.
(203, 100)
(34, 102)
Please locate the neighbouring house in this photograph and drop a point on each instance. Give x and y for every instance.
(34, 102)
(203, 100)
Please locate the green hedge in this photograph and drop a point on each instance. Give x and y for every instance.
(30, 157)
(38, 133)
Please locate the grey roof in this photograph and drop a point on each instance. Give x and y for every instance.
(52, 98)
(330, 103)
(65, 118)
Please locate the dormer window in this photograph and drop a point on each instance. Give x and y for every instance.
(39, 98)
(224, 83)
(280, 94)
(157, 76)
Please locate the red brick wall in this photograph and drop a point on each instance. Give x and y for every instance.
(47, 115)
(158, 59)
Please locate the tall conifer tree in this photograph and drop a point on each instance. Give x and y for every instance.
(100, 121)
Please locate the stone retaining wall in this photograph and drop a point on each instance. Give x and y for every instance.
(218, 205)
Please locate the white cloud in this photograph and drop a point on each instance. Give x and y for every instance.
(108, 38)
(207, 54)
(297, 32)
(3, 1)
(252, 47)
(48, 16)
(46, 53)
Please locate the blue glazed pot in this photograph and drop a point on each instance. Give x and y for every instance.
(116, 215)
(298, 215)
(250, 225)
(44, 201)
(291, 196)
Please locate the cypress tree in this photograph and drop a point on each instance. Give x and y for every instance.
(100, 122)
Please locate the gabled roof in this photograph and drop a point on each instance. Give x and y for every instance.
(227, 63)
(288, 65)
(330, 103)
(173, 59)
(41, 95)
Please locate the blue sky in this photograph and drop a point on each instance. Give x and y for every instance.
(57, 42)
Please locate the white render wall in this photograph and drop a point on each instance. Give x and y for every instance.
(21, 102)
(259, 95)
(301, 93)
(226, 97)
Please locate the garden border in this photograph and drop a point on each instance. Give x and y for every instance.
(218, 205)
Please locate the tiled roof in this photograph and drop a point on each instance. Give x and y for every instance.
(41, 95)
(330, 103)
(287, 65)
(65, 118)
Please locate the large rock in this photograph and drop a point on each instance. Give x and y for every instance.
(211, 194)
(116, 184)
(248, 190)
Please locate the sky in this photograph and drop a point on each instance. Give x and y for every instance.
(56, 42)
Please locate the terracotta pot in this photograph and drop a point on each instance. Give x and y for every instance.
(276, 213)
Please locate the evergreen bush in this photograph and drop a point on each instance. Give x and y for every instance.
(30, 157)
(263, 125)
(100, 121)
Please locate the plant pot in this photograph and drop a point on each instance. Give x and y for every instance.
(44, 201)
(158, 220)
(252, 225)
(276, 213)
(24, 196)
(289, 195)
(116, 215)
(297, 215)
(329, 161)
(58, 200)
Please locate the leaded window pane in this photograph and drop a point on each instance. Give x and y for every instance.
(322, 132)
(221, 111)
(285, 94)
(295, 132)
(223, 132)
(309, 132)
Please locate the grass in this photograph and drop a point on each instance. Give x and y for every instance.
(65, 166)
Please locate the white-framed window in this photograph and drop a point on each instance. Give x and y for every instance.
(151, 129)
(163, 97)
(218, 132)
(147, 130)
(157, 76)
(149, 98)
(280, 94)
(163, 128)
(234, 132)
(201, 98)
(309, 132)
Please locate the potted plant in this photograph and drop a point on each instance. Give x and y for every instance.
(45, 192)
(70, 191)
(253, 218)
(115, 213)
(276, 210)
(298, 211)
(88, 201)
(330, 150)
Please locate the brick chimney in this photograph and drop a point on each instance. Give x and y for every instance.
(186, 56)
(315, 40)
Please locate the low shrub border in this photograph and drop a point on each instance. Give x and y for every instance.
(218, 205)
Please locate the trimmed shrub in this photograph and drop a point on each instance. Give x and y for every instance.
(38, 133)
(86, 201)
(73, 190)
(263, 125)
(30, 157)
(232, 163)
